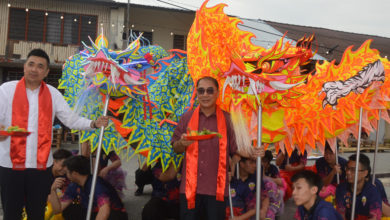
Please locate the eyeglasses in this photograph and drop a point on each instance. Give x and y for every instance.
(209, 90)
(352, 169)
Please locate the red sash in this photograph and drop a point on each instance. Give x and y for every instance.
(192, 159)
(20, 110)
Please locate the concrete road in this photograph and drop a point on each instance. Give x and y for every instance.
(134, 204)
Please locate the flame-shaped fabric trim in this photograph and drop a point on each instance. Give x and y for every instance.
(312, 122)
(249, 74)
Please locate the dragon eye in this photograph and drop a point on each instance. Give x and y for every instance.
(265, 67)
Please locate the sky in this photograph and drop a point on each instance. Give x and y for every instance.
(370, 17)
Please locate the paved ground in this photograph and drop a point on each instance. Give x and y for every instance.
(135, 204)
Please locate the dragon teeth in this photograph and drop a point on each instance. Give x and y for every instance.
(226, 83)
(259, 87)
(114, 71)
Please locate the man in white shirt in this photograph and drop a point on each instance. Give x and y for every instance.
(25, 161)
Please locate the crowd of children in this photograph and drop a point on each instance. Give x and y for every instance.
(317, 191)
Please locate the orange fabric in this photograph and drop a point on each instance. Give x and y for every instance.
(192, 159)
(20, 110)
(286, 176)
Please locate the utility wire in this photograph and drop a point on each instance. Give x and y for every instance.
(296, 30)
(175, 5)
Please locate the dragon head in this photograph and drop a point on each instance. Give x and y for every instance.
(120, 67)
(270, 71)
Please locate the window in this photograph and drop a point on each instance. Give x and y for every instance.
(179, 42)
(88, 28)
(51, 27)
(147, 37)
(17, 24)
(36, 22)
(71, 29)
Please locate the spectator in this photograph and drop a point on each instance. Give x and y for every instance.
(306, 188)
(106, 204)
(368, 200)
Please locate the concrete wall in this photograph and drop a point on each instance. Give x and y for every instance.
(116, 27)
(57, 53)
(162, 22)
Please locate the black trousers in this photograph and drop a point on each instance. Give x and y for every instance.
(76, 212)
(28, 188)
(206, 207)
(143, 178)
(159, 209)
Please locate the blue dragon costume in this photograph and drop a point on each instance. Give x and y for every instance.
(149, 89)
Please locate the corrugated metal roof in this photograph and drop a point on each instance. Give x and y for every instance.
(266, 35)
(153, 3)
(331, 43)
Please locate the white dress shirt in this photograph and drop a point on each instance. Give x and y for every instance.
(60, 109)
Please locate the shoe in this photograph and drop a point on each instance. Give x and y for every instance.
(139, 192)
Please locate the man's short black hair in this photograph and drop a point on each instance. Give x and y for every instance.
(79, 164)
(215, 82)
(363, 160)
(310, 177)
(268, 156)
(328, 148)
(61, 154)
(39, 53)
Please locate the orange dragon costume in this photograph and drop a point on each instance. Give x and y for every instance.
(299, 109)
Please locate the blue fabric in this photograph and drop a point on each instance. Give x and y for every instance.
(321, 211)
(323, 169)
(102, 190)
(381, 190)
(241, 191)
(368, 201)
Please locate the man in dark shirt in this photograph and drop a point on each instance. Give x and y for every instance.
(106, 204)
(164, 203)
(306, 188)
(368, 199)
(327, 169)
(204, 186)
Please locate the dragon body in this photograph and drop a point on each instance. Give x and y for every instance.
(149, 89)
(299, 108)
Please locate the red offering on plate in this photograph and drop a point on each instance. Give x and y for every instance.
(15, 133)
(200, 137)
